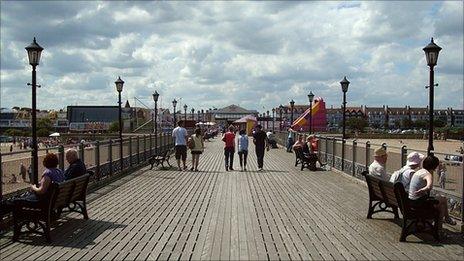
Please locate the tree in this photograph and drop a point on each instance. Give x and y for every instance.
(439, 123)
(421, 124)
(406, 123)
(42, 132)
(44, 124)
(358, 124)
(14, 132)
(114, 127)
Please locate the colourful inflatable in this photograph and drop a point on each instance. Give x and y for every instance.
(319, 117)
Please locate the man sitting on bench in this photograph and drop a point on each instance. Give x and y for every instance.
(76, 167)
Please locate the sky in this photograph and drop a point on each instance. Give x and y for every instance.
(212, 54)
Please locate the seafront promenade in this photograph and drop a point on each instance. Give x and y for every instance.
(279, 213)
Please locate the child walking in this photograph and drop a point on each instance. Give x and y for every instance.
(242, 149)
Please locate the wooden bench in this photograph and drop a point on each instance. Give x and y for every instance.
(306, 160)
(385, 196)
(160, 159)
(69, 195)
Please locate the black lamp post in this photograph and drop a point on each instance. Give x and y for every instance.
(119, 85)
(431, 54)
(193, 113)
(310, 98)
(174, 104)
(292, 105)
(202, 115)
(34, 51)
(198, 115)
(185, 114)
(267, 120)
(344, 83)
(273, 119)
(281, 109)
(155, 99)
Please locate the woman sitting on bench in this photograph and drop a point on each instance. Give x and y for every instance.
(420, 186)
(50, 174)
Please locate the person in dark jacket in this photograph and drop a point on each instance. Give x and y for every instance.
(76, 167)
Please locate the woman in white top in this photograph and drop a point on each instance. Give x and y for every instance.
(197, 149)
(420, 186)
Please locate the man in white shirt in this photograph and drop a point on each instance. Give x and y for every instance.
(180, 136)
(377, 168)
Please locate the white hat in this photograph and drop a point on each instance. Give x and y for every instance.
(414, 158)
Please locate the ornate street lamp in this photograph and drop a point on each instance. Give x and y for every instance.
(119, 85)
(273, 119)
(202, 115)
(185, 114)
(431, 55)
(267, 120)
(155, 99)
(198, 115)
(34, 50)
(310, 98)
(193, 113)
(174, 104)
(292, 105)
(281, 109)
(344, 83)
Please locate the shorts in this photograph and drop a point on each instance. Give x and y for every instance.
(181, 151)
(423, 202)
(196, 152)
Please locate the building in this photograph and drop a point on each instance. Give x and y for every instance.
(231, 113)
(376, 116)
(95, 118)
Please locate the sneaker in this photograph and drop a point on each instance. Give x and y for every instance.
(227, 168)
(191, 169)
(241, 169)
(450, 221)
(260, 169)
(231, 169)
(244, 169)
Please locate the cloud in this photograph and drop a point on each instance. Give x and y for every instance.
(212, 54)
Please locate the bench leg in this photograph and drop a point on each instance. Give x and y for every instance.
(16, 230)
(167, 161)
(395, 212)
(84, 210)
(436, 228)
(371, 210)
(403, 231)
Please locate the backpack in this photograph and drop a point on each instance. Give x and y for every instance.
(397, 176)
(190, 143)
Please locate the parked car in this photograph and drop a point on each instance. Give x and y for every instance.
(454, 160)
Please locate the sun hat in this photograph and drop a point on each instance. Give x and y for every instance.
(380, 152)
(414, 158)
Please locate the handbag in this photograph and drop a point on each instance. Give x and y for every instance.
(190, 143)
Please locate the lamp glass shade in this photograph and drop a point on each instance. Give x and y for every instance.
(185, 107)
(119, 84)
(292, 103)
(155, 96)
(174, 103)
(344, 83)
(431, 53)
(310, 96)
(34, 50)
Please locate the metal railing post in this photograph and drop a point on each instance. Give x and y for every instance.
(1, 177)
(138, 149)
(97, 159)
(81, 152)
(404, 153)
(354, 158)
(144, 147)
(151, 144)
(130, 151)
(343, 154)
(61, 157)
(326, 148)
(333, 152)
(110, 152)
(368, 153)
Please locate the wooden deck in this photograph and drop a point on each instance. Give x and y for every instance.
(279, 213)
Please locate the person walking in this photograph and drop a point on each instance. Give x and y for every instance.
(180, 135)
(197, 149)
(290, 140)
(242, 144)
(260, 141)
(229, 148)
(23, 172)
